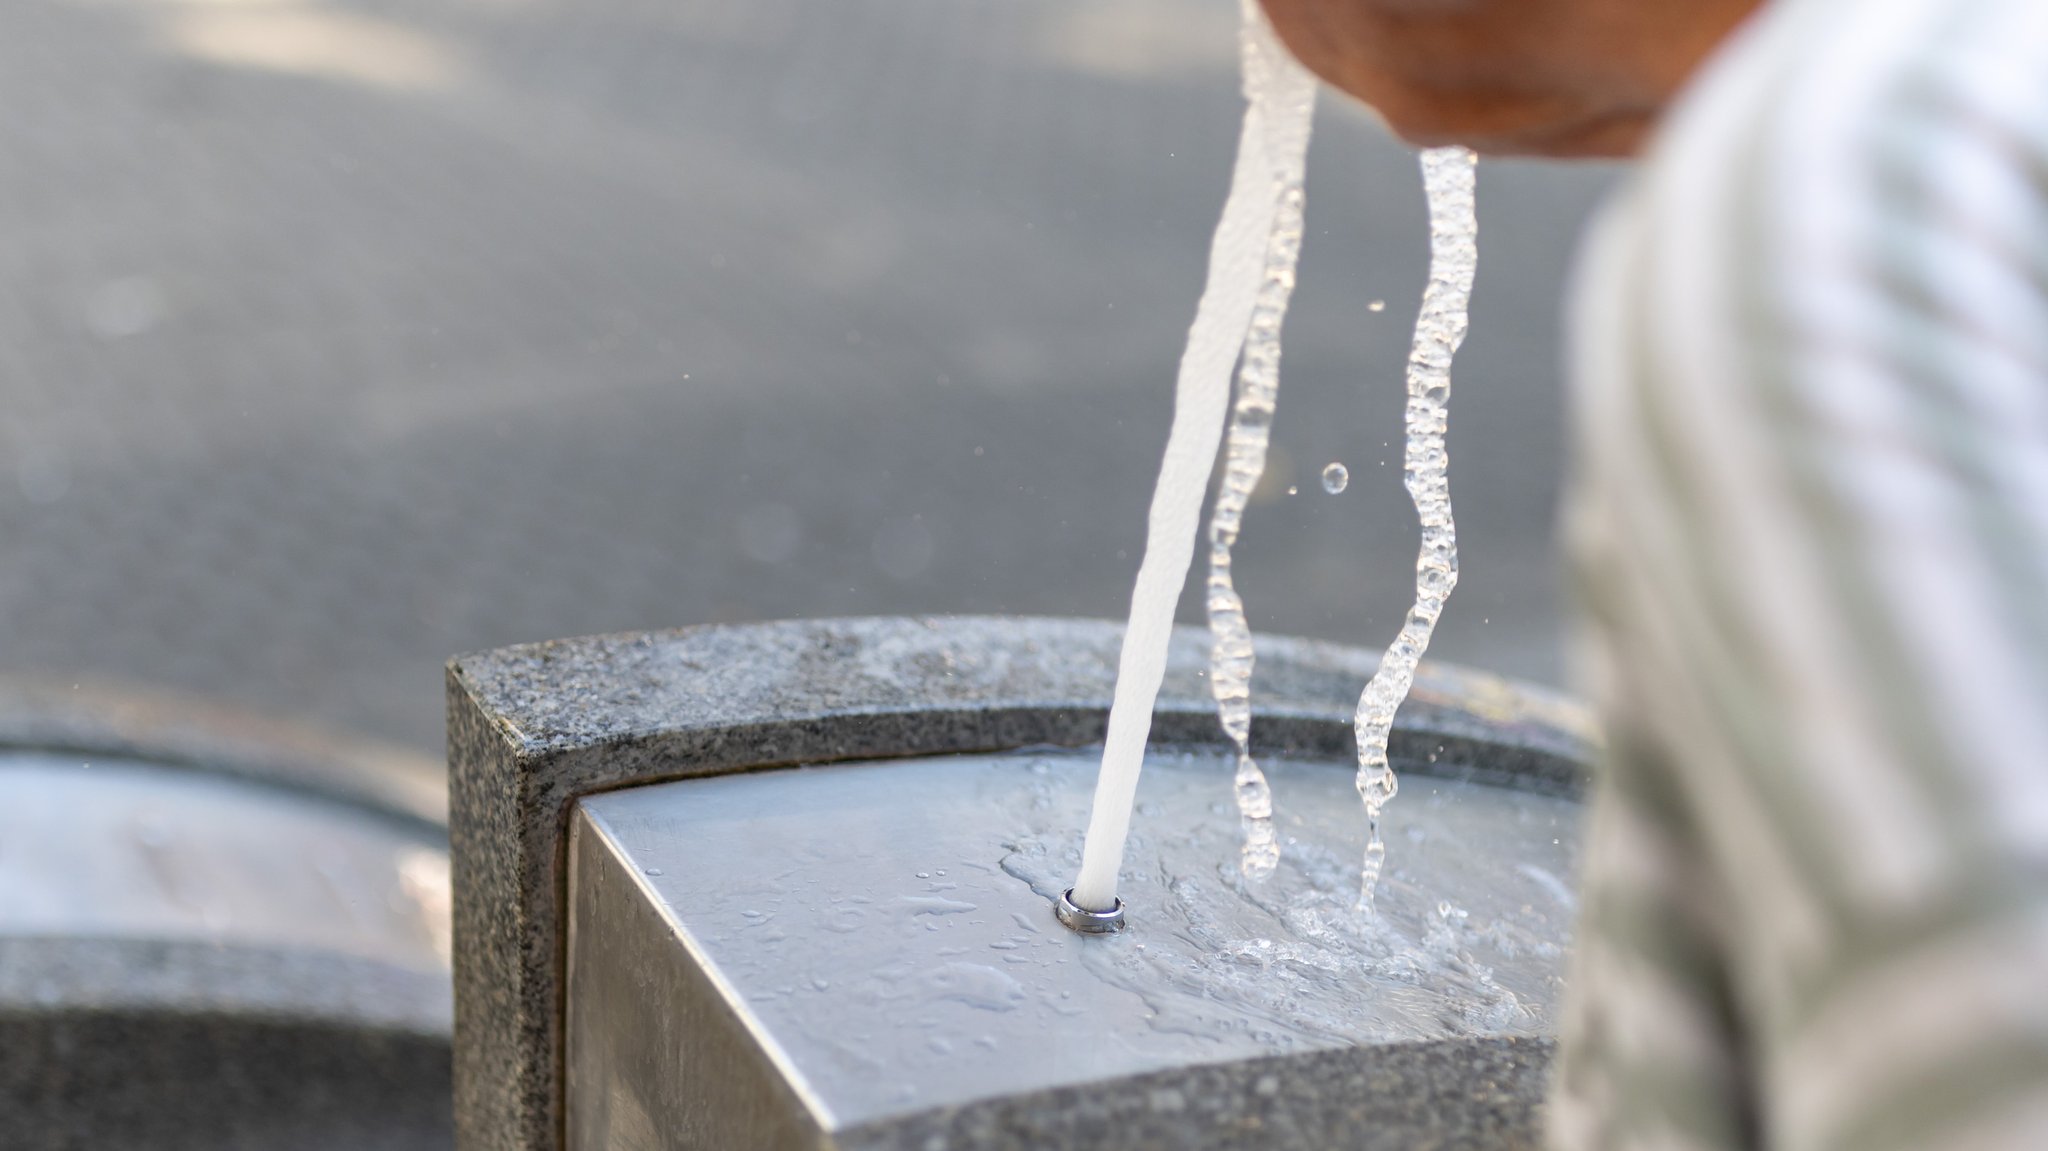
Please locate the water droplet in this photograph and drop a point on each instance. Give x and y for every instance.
(1336, 478)
(1376, 306)
(654, 871)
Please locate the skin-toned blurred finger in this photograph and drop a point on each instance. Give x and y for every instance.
(1541, 77)
(1512, 123)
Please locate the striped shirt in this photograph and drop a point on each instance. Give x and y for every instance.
(1810, 534)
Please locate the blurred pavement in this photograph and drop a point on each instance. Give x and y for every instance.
(339, 337)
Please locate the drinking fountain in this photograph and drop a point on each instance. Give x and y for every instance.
(794, 885)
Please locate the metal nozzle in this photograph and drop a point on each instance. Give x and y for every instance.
(1078, 918)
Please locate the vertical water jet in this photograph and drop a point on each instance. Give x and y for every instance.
(1279, 97)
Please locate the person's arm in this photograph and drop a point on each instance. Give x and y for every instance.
(1538, 77)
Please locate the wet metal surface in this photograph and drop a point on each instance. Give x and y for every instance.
(535, 729)
(836, 946)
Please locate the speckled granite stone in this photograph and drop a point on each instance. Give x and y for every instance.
(156, 1045)
(135, 1035)
(532, 728)
(1462, 1095)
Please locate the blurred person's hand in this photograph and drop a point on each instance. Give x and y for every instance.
(1536, 77)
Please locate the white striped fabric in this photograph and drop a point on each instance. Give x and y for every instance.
(1810, 537)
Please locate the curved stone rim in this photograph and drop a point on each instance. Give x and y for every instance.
(1383, 1098)
(101, 718)
(55, 977)
(533, 728)
(150, 1042)
(615, 690)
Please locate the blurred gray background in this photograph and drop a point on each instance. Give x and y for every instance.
(339, 336)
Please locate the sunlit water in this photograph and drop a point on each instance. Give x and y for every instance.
(1448, 177)
(890, 924)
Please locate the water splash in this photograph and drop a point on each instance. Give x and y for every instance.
(1280, 95)
(1245, 443)
(1448, 176)
(1470, 929)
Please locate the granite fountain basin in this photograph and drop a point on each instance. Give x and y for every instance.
(790, 885)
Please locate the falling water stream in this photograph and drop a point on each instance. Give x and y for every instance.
(1244, 462)
(1448, 177)
(1251, 279)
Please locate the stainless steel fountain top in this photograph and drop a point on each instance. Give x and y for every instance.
(881, 940)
